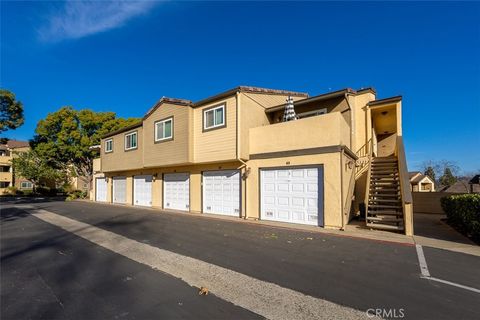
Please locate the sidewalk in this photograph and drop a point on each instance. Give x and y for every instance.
(431, 231)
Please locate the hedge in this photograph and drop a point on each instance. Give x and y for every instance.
(463, 213)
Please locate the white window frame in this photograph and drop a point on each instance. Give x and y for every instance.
(22, 187)
(106, 144)
(136, 140)
(156, 129)
(312, 113)
(214, 113)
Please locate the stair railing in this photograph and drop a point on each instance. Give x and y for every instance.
(367, 189)
(407, 201)
(349, 198)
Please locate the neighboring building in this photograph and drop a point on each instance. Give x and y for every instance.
(463, 185)
(7, 175)
(420, 182)
(231, 154)
(475, 184)
(80, 183)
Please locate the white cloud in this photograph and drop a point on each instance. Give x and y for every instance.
(77, 19)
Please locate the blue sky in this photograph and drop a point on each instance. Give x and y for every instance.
(123, 56)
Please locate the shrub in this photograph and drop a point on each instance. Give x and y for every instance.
(76, 194)
(463, 213)
(12, 190)
(44, 191)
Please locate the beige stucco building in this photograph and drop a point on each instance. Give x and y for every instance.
(420, 182)
(232, 154)
(7, 174)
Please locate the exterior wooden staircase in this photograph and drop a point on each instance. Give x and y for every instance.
(385, 209)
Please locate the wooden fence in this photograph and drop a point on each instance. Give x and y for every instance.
(428, 202)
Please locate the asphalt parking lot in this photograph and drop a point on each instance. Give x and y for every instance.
(48, 272)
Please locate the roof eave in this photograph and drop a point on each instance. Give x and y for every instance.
(321, 97)
(125, 129)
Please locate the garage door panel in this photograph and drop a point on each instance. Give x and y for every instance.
(101, 190)
(142, 190)
(312, 173)
(119, 189)
(176, 191)
(221, 192)
(292, 195)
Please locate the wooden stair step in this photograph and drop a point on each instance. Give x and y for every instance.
(386, 218)
(384, 226)
(386, 213)
(377, 160)
(385, 196)
(384, 200)
(384, 177)
(380, 183)
(384, 206)
(383, 173)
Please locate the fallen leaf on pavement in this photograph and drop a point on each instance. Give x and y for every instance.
(203, 291)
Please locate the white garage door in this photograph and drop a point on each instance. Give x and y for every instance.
(176, 191)
(221, 192)
(292, 195)
(119, 189)
(142, 191)
(100, 189)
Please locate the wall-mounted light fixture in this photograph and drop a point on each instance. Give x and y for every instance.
(384, 113)
(350, 164)
(246, 173)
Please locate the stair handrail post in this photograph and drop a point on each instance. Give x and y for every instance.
(367, 189)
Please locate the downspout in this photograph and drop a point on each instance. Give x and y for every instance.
(244, 164)
(341, 189)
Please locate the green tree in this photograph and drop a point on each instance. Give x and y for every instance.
(64, 138)
(36, 169)
(447, 179)
(11, 111)
(430, 172)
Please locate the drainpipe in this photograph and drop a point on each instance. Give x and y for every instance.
(244, 164)
(341, 188)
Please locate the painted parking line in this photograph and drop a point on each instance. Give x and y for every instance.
(263, 298)
(422, 261)
(426, 274)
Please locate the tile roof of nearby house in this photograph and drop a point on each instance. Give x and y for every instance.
(413, 174)
(13, 144)
(461, 186)
(417, 176)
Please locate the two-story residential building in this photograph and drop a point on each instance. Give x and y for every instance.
(7, 175)
(233, 154)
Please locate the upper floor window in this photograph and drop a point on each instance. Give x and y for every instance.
(214, 117)
(109, 145)
(131, 141)
(3, 153)
(164, 130)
